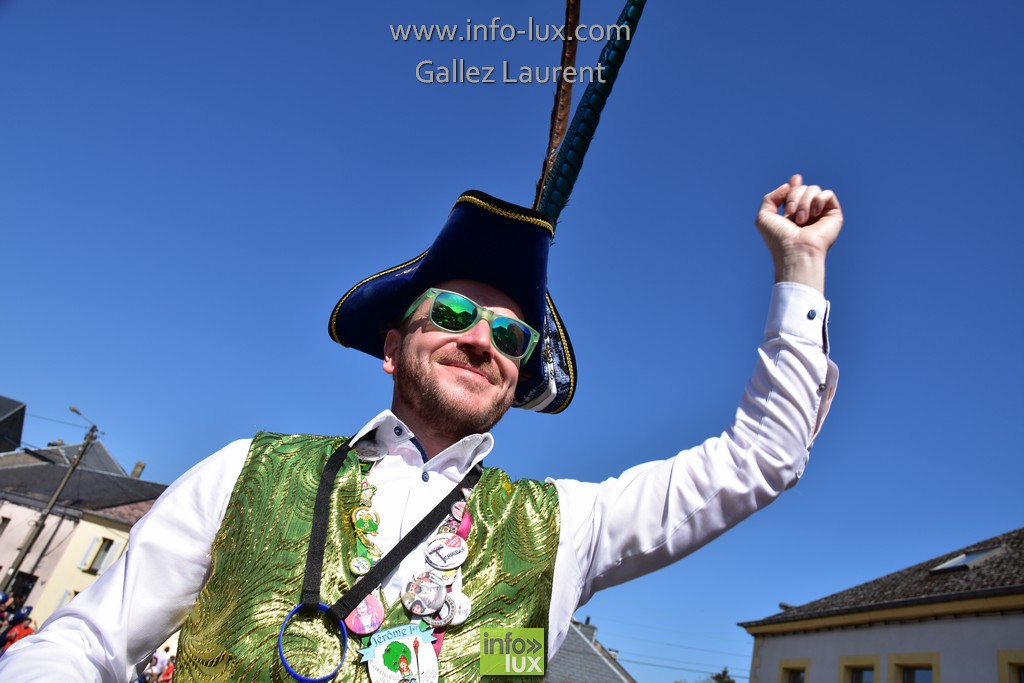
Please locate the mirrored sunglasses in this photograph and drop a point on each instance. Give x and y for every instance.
(453, 312)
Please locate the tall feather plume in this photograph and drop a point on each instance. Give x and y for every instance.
(563, 96)
(558, 181)
(569, 161)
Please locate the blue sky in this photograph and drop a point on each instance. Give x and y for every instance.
(187, 188)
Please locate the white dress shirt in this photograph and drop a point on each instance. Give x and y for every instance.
(610, 532)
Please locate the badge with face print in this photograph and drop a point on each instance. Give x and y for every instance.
(366, 617)
(424, 594)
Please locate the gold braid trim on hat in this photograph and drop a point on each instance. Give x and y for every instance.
(570, 367)
(337, 308)
(504, 213)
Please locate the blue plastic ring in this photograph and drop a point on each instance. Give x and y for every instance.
(343, 640)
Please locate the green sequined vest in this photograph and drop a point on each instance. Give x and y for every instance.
(259, 555)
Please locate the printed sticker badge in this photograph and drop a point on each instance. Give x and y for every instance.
(401, 655)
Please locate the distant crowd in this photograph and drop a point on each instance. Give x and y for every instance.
(160, 669)
(15, 624)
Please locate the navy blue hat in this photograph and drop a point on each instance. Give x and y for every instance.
(20, 616)
(490, 241)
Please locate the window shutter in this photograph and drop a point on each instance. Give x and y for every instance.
(112, 554)
(89, 554)
(65, 598)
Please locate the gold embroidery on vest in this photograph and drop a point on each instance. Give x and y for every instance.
(259, 554)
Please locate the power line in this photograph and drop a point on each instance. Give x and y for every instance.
(740, 640)
(63, 422)
(676, 645)
(37, 529)
(51, 419)
(648, 655)
(679, 668)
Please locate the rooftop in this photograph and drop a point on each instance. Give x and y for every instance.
(96, 458)
(991, 567)
(582, 658)
(99, 483)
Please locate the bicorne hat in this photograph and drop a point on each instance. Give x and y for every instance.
(501, 244)
(490, 241)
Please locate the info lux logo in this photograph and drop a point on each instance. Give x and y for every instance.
(517, 651)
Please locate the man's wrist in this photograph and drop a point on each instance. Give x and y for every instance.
(804, 269)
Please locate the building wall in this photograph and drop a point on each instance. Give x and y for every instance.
(967, 649)
(90, 550)
(47, 550)
(71, 561)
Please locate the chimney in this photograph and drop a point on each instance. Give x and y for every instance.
(589, 631)
(137, 471)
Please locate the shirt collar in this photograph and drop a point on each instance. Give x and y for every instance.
(393, 434)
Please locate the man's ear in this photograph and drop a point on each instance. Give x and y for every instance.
(392, 345)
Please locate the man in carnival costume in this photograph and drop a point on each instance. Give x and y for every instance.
(386, 556)
(467, 329)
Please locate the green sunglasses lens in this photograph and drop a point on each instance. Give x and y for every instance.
(453, 312)
(510, 336)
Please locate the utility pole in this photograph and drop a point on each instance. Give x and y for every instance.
(37, 526)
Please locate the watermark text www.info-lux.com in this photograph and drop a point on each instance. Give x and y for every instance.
(499, 31)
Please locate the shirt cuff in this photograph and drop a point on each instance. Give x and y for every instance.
(800, 311)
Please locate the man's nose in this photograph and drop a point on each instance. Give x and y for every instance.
(478, 336)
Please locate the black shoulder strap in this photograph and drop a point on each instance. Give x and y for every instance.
(387, 564)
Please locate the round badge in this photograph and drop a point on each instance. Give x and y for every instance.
(370, 451)
(458, 507)
(443, 616)
(366, 617)
(360, 565)
(462, 604)
(445, 577)
(446, 551)
(424, 594)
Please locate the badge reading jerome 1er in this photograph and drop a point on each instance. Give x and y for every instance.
(400, 654)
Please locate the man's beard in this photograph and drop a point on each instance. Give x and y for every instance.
(421, 391)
